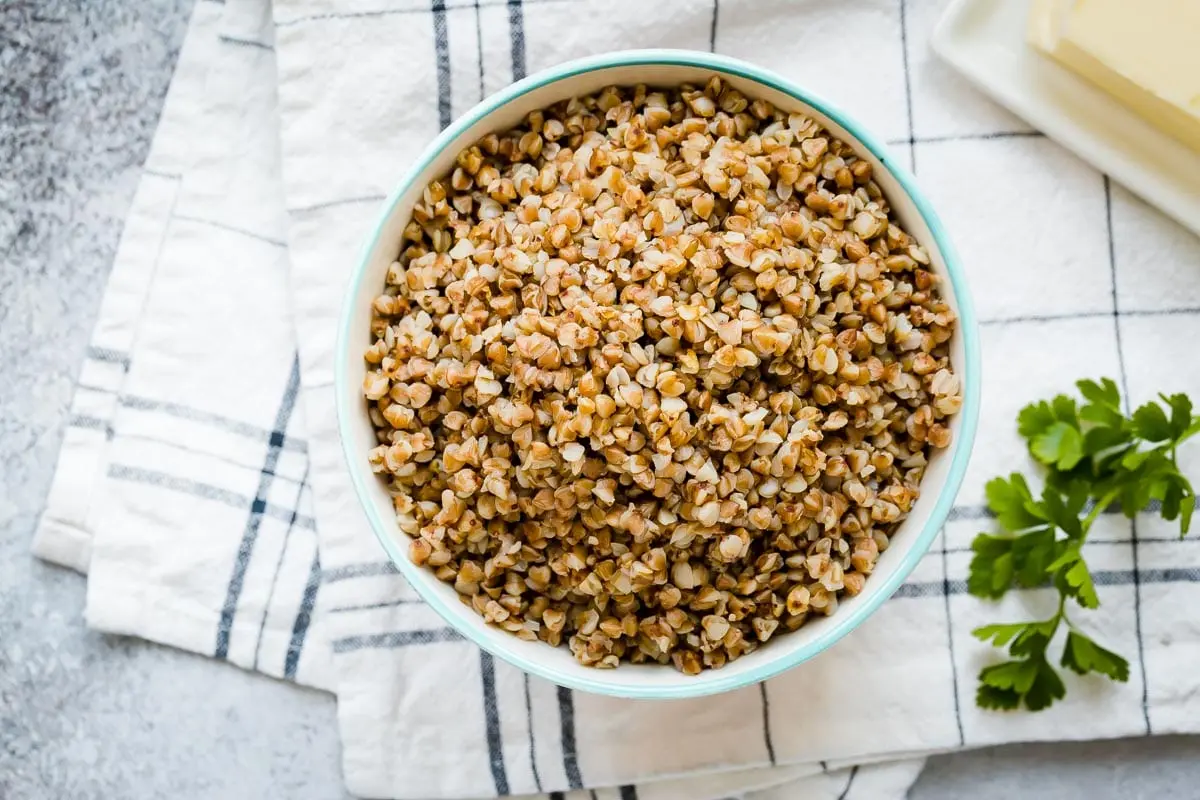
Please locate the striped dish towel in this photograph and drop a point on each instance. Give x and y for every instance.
(201, 483)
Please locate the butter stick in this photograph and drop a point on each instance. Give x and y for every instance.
(1146, 54)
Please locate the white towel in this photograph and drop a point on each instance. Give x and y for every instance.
(183, 486)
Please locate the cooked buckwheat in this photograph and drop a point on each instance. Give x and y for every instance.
(657, 374)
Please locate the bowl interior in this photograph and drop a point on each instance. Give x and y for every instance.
(503, 111)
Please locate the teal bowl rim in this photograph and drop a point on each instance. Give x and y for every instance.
(841, 623)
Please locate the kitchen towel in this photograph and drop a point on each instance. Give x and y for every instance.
(182, 484)
(1073, 277)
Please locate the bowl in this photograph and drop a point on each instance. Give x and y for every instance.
(505, 110)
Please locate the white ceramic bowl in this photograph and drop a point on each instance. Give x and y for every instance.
(503, 111)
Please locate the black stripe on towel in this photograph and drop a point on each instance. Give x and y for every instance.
(91, 423)
(303, 617)
(516, 28)
(1114, 577)
(246, 549)
(712, 31)
(208, 418)
(287, 538)
(124, 472)
(537, 779)
(441, 49)
(491, 715)
(766, 717)
(846, 792)
(396, 639)
(368, 570)
(109, 356)
(566, 710)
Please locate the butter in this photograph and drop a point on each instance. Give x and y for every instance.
(1045, 22)
(1145, 53)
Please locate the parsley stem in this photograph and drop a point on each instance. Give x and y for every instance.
(1098, 509)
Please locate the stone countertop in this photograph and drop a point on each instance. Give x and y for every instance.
(84, 715)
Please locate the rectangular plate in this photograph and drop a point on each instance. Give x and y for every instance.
(985, 41)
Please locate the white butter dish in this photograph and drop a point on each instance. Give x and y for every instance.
(985, 40)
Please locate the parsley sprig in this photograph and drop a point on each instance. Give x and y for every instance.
(1096, 458)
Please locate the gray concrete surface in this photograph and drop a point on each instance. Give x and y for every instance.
(84, 715)
(90, 716)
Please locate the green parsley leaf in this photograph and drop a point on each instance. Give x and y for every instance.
(1150, 423)
(1104, 437)
(1000, 634)
(1073, 577)
(1079, 584)
(994, 699)
(1046, 688)
(1035, 638)
(1181, 413)
(1103, 394)
(1011, 502)
(1032, 681)
(1065, 410)
(1178, 500)
(1035, 418)
(1060, 445)
(1063, 511)
(1134, 459)
(1191, 431)
(1142, 477)
(1001, 560)
(1068, 556)
(1017, 676)
(1082, 655)
(1032, 554)
(991, 571)
(1170, 493)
